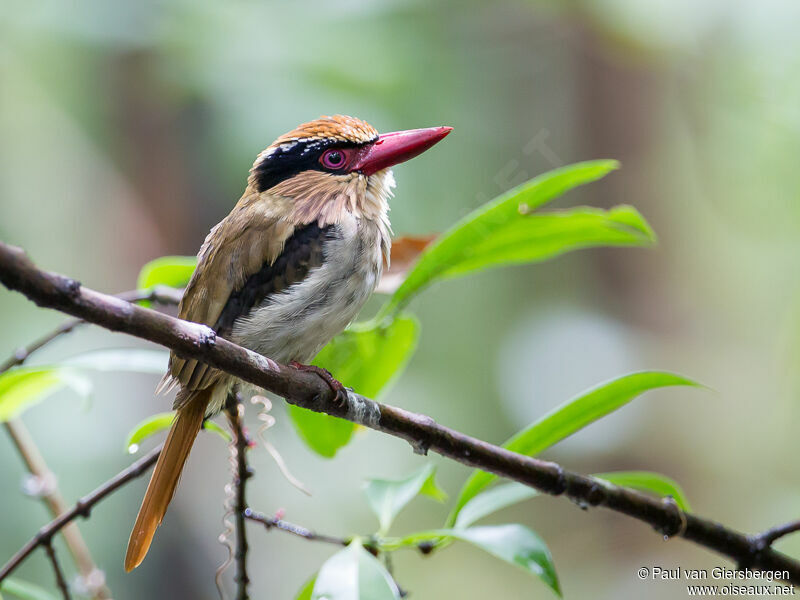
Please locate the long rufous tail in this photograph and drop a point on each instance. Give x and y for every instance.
(161, 488)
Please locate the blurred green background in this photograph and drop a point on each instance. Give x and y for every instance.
(127, 130)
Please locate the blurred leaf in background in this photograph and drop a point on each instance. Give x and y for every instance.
(162, 422)
(24, 387)
(172, 271)
(388, 498)
(135, 360)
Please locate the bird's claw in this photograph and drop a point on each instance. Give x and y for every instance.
(340, 398)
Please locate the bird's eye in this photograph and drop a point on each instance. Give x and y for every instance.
(333, 159)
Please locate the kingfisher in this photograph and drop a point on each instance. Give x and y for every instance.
(287, 270)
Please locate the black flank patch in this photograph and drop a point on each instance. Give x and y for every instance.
(302, 252)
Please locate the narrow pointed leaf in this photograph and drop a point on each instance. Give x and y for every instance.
(508, 494)
(538, 237)
(647, 481)
(502, 231)
(388, 498)
(354, 574)
(172, 271)
(570, 417)
(161, 422)
(23, 387)
(493, 500)
(24, 590)
(366, 357)
(517, 545)
(308, 588)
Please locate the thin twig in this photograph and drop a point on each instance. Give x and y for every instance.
(22, 354)
(60, 581)
(309, 390)
(241, 475)
(159, 294)
(82, 508)
(770, 536)
(281, 525)
(92, 577)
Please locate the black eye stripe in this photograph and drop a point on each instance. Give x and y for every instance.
(292, 158)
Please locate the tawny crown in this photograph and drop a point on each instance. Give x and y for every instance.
(338, 127)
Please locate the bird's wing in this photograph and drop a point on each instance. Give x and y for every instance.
(250, 255)
(251, 236)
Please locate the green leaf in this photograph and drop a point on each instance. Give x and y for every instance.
(515, 544)
(143, 430)
(366, 357)
(354, 574)
(505, 231)
(24, 387)
(214, 428)
(388, 498)
(172, 271)
(432, 490)
(160, 422)
(648, 481)
(122, 359)
(24, 590)
(570, 417)
(538, 237)
(497, 498)
(307, 589)
(508, 494)
(324, 434)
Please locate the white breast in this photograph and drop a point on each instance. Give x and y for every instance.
(296, 323)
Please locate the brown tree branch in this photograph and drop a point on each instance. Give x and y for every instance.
(310, 391)
(93, 577)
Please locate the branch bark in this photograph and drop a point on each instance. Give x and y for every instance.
(310, 391)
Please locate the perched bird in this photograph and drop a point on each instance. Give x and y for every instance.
(284, 272)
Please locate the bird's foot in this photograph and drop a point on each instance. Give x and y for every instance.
(336, 385)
